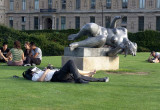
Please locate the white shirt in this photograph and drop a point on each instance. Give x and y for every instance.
(37, 50)
(157, 55)
(48, 77)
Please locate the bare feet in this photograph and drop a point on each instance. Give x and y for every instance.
(91, 74)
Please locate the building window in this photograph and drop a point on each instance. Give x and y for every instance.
(23, 4)
(23, 19)
(142, 3)
(93, 4)
(124, 20)
(23, 27)
(108, 4)
(11, 5)
(141, 23)
(63, 22)
(77, 22)
(63, 2)
(124, 4)
(92, 19)
(36, 22)
(78, 4)
(11, 22)
(107, 21)
(36, 4)
(158, 23)
(158, 3)
(49, 4)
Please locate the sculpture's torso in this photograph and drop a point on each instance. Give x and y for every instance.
(114, 37)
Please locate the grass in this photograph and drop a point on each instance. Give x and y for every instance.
(123, 92)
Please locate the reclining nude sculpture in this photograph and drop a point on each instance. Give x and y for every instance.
(115, 38)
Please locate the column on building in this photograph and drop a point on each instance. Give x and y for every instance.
(40, 22)
(53, 22)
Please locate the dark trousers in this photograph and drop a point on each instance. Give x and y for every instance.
(69, 73)
(2, 60)
(30, 60)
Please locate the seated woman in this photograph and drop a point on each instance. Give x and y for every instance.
(17, 55)
(68, 73)
(27, 54)
(156, 57)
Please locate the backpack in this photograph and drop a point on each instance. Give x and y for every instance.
(27, 74)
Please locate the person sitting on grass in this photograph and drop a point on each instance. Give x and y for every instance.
(17, 55)
(156, 57)
(68, 73)
(36, 54)
(4, 50)
(27, 54)
(3, 57)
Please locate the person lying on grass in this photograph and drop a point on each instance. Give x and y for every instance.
(156, 57)
(68, 73)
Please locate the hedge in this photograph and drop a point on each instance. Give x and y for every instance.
(52, 42)
(148, 40)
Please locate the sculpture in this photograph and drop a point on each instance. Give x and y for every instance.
(98, 36)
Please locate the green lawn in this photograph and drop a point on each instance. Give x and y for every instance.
(123, 92)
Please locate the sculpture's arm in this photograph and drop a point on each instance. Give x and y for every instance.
(73, 36)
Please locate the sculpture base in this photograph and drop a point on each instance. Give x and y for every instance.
(92, 63)
(86, 52)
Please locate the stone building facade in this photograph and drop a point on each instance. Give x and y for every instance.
(2, 12)
(138, 15)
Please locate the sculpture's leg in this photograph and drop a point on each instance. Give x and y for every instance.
(114, 52)
(98, 41)
(89, 29)
(113, 23)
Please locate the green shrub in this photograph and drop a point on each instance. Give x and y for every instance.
(52, 42)
(147, 41)
(143, 49)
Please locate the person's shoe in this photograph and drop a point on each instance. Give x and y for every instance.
(81, 81)
(106, 79)
(27, 65)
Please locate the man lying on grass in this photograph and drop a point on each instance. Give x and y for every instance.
(68, 73)
(156, 57)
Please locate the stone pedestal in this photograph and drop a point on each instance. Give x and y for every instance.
(89, 59)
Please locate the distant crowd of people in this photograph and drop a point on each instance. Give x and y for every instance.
(16, 57)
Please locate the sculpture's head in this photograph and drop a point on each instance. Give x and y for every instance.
(130, 48)
(122, 35)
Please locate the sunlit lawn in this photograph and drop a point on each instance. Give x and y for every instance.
(123, 92)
